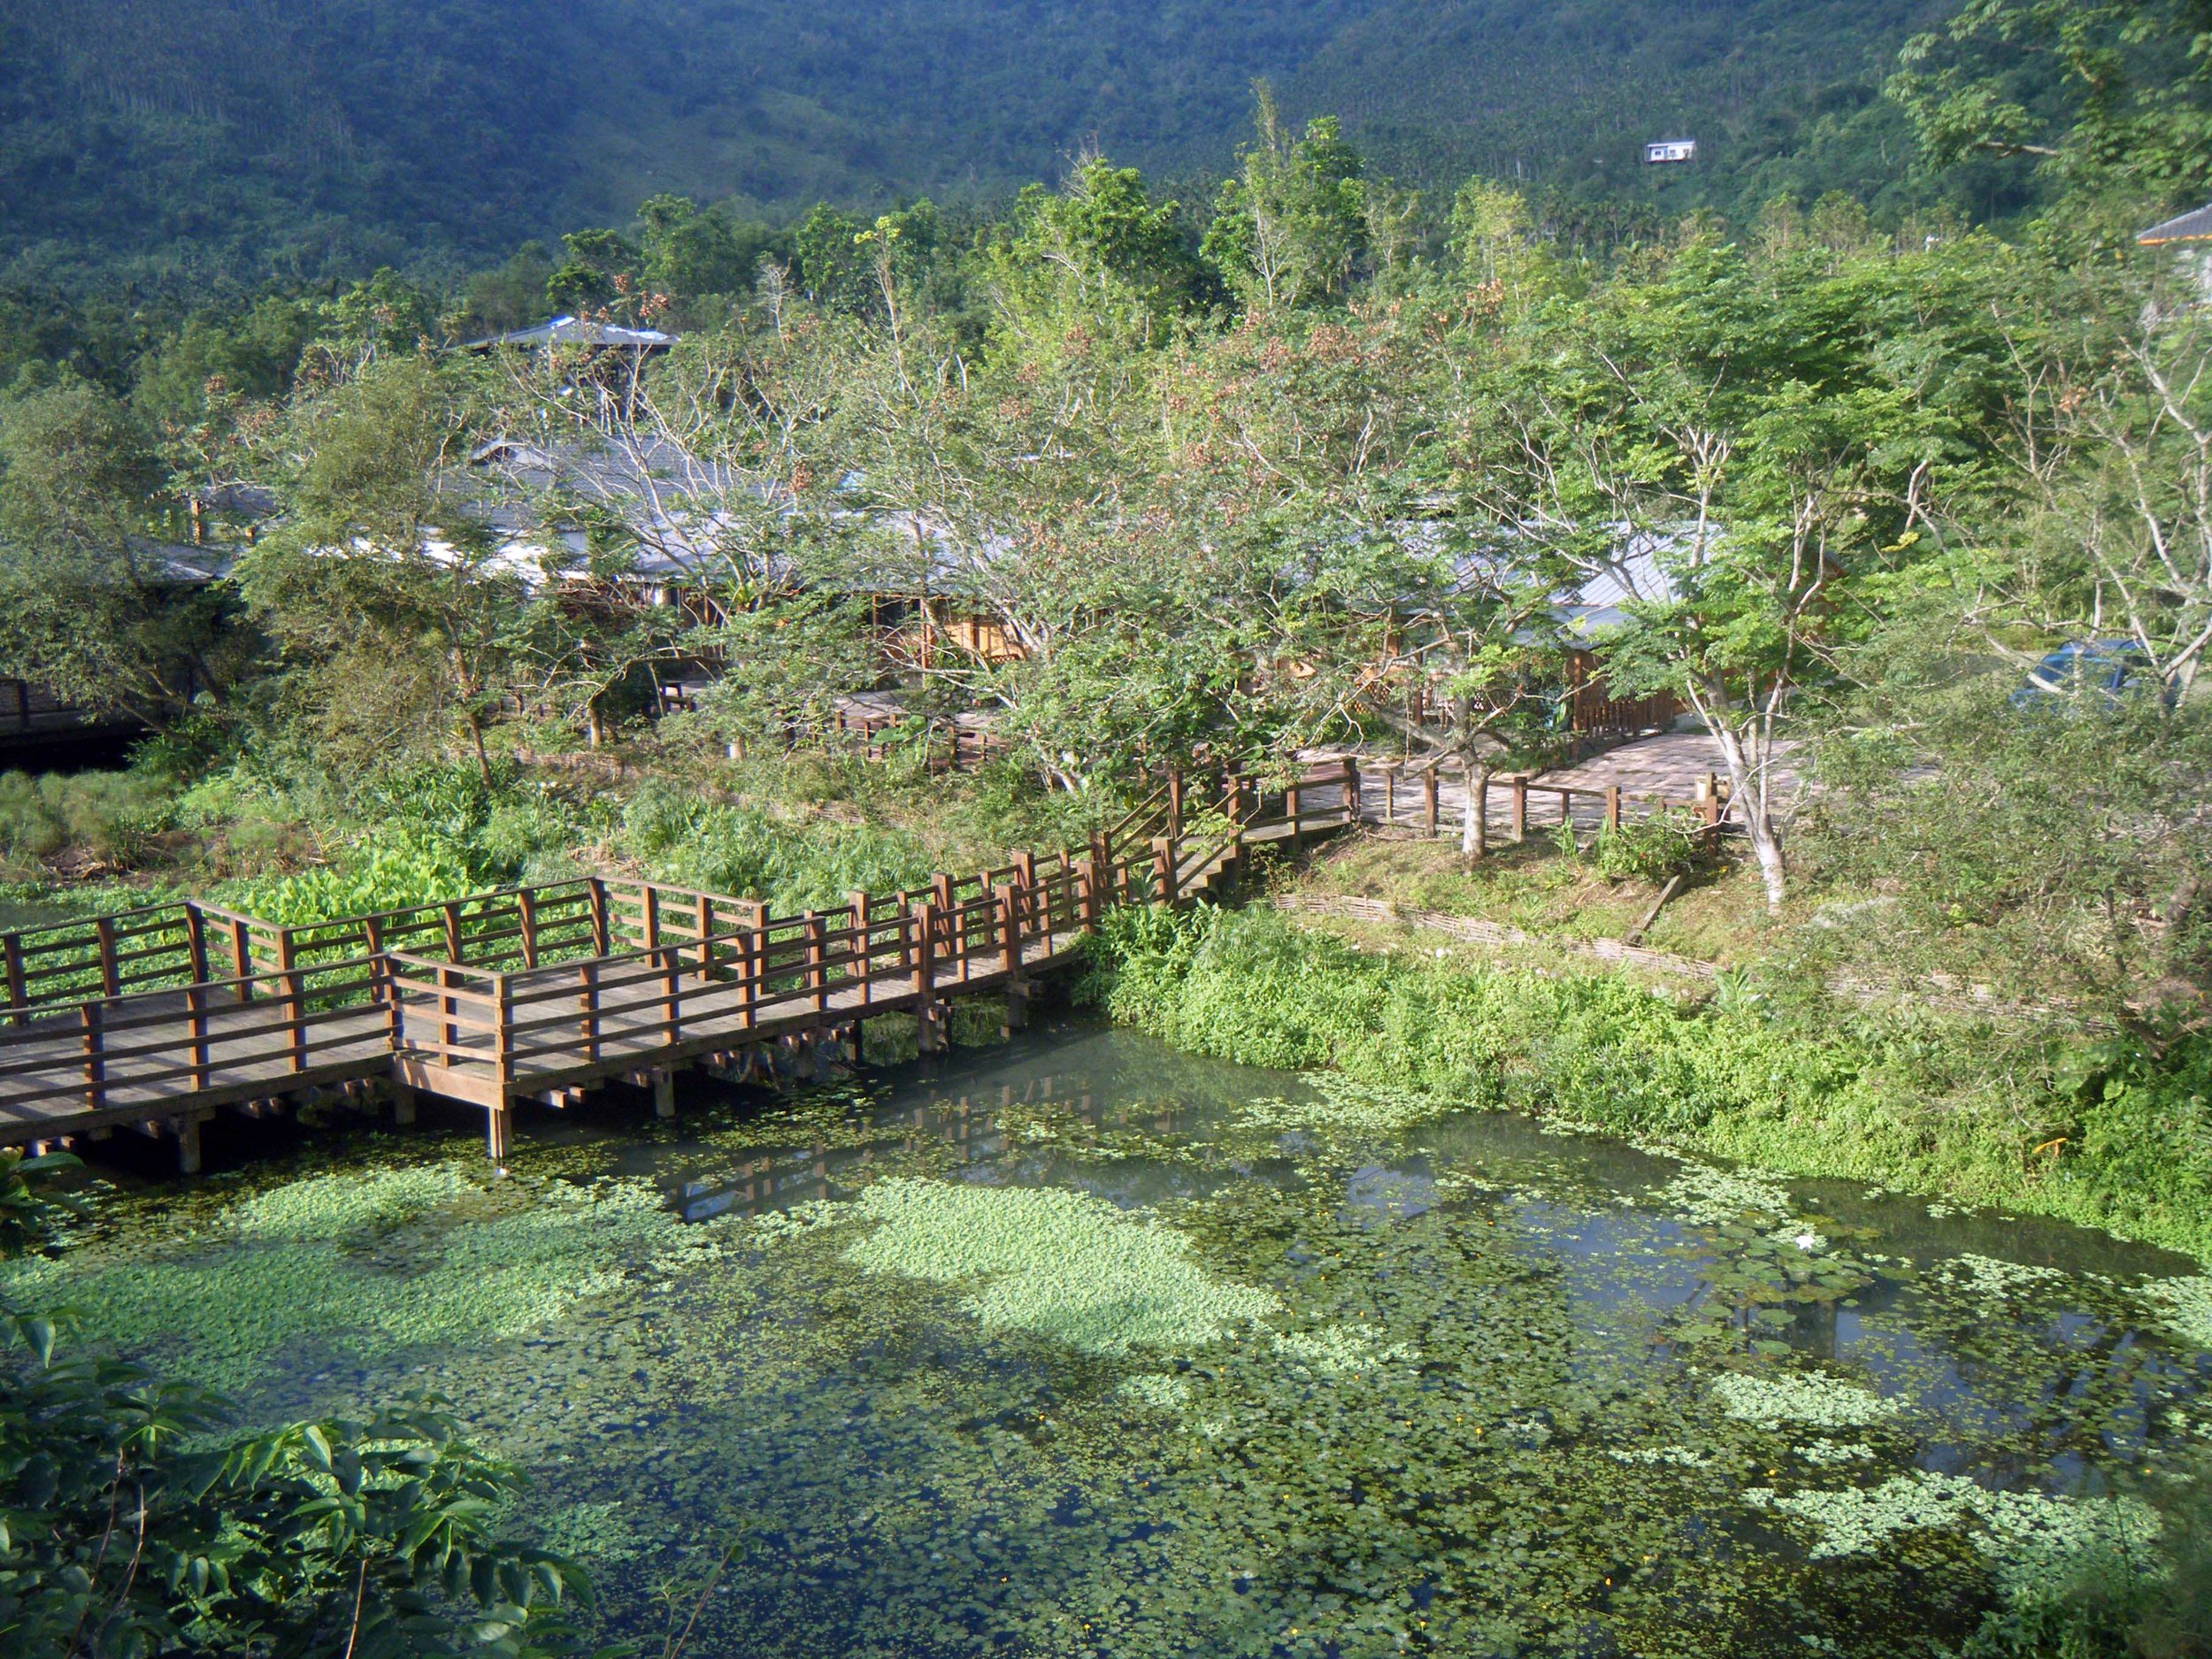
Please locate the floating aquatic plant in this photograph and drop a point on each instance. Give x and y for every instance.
(1714, 1197)
(1058, 1264)
(1679, 1457)
(1343, 1350)
(1340, 1104)
(2030, 1537)
(1157, 1390)
(348, 1206)
(1829, 1453)
(2185, 1305)
(1811, 1398)
(1986, 1276)
(289, 1268)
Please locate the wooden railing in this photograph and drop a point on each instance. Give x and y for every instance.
(1411, 800)
(503, 1025)
(125, 1012)
(273, 1026)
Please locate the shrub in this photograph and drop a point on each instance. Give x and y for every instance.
(1655, 847)
(746, 852)
(109, 817)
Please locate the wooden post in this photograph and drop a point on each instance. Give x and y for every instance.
(111, 978)
(817, 975)
(503, 1032)
(1290, 811)
(929, 1031)
(452, 932)
(496, 1130)
(702, 917)
(402, 1103)
(1087, 896)
(1164, 867)
(672, 996)
(863, 952)
(664, 1094)
(1428, 802)
(294, 999)
(1390, 795)
(751, 963)
(1520, 808)
(588, 1010)
(649, 914)
(196, 1004)
(196, 943)
(449, 1007)
(242, 959)
(372, 936)
(1009, 924)
(601, 944)
(1174, 801)
(11, 954)
(526, 909)
(1349, 788)
(1613, 806)
(188, 1130)
(95, 1070)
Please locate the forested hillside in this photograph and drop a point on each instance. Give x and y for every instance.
(326, 136)
(1779, 94)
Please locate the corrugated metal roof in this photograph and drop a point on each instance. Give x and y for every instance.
(2195, 227)
(570, 331)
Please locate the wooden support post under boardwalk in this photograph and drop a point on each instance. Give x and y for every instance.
(500, 1118)
(929, 1015)
(402, 1103)
(187, 1145)
(663, 1094)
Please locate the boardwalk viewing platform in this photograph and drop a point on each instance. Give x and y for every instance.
(155, 1019)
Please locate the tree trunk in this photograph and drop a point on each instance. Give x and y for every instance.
(483, 760)
(1474, 838)
(1744, 773)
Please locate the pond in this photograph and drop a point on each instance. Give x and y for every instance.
(1078, 1345)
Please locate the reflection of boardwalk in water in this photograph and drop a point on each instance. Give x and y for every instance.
(972, 1122)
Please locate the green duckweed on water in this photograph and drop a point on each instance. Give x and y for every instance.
(1085, 1348)
(1058, 1264)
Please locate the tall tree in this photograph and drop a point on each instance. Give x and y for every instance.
(386, 584)
(1289, 227)
(93, 603)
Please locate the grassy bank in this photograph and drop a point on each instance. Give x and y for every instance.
(1924, 1102)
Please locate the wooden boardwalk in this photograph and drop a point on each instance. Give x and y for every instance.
(155, 1019)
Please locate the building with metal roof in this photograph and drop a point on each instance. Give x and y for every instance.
(2184, 227)
(575, 331)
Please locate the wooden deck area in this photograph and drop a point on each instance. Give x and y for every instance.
(155, 1019)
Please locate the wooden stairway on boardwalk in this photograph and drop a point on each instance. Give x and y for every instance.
(154, 1020)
